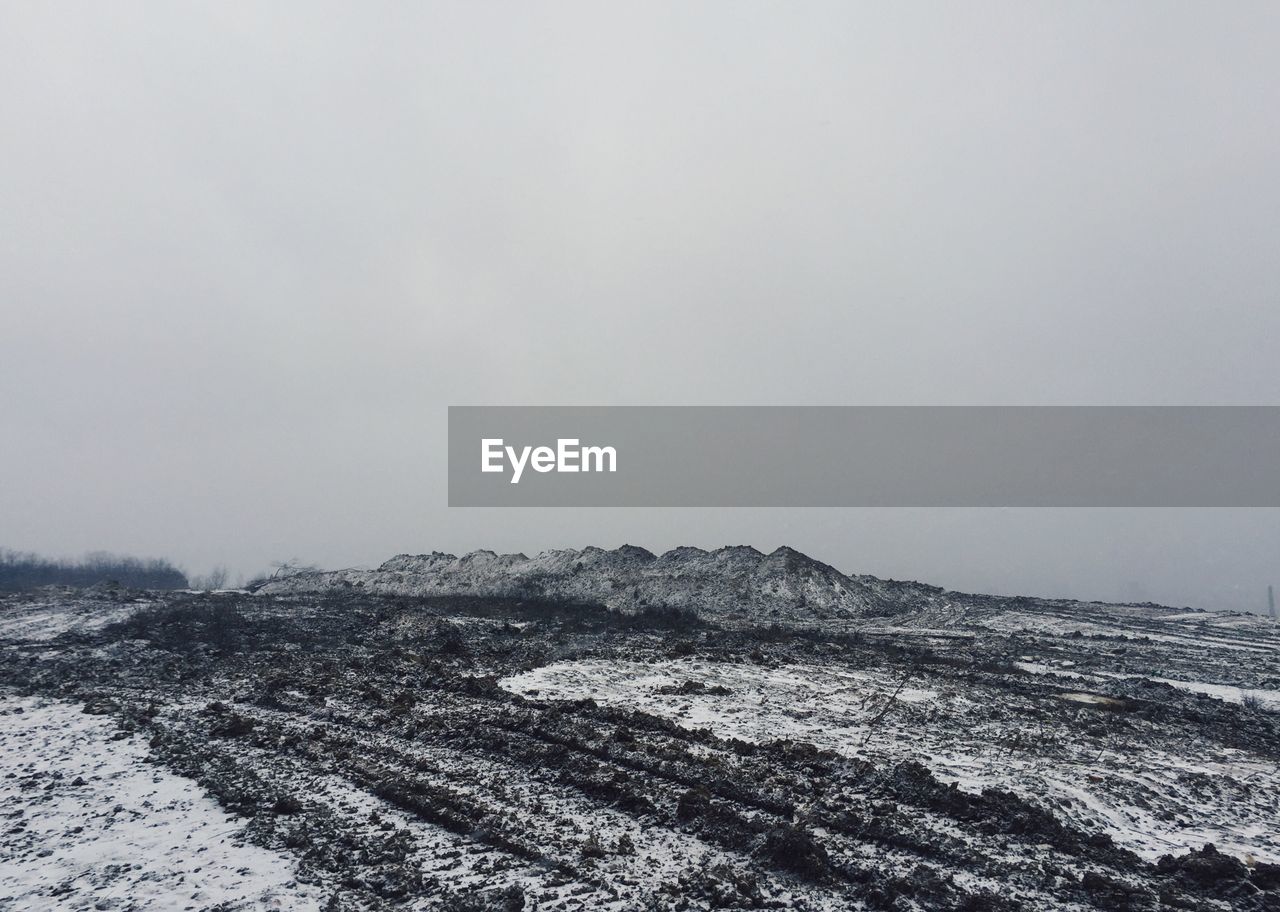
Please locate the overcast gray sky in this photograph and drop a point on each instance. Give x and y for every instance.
(250, 252)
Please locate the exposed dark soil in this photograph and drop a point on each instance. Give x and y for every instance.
(474, 797)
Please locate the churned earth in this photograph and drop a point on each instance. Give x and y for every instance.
(341, 749)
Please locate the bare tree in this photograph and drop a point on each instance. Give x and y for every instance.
(291, 567)
(282, 570)
(216, 579)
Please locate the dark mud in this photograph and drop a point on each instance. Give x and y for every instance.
(368, 737)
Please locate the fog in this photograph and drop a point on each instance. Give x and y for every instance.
(249, 254)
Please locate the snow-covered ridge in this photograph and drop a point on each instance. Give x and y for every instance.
(730, 582)
(739, 584)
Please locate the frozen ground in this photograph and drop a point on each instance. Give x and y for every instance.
(1264, 698)
(47, 618)
(1136, 790)
(359, 752)
(89, 824)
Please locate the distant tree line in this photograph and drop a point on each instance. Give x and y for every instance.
(20, 571)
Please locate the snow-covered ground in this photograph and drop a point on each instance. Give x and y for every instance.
(42, 621)
(1267, 699)
(1150, 798)
(1047, 625)
(1228, 693)
(89, 824)
(363, 739)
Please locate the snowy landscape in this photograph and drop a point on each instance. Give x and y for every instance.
(620, 730)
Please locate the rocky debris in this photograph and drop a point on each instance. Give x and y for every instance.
(1244, 888)
(733, 583)
(740, 586)
(690, 688)
(377, 739)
